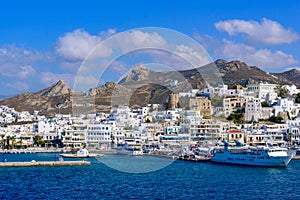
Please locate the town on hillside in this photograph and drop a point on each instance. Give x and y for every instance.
(255, 115)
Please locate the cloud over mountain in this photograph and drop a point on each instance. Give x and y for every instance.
(266, 31)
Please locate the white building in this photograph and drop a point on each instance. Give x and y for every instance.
(253, 110)
(99, 135)
(292, 89)
(261, 90)
(286, 105)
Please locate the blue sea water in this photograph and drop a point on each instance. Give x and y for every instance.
(176, 180)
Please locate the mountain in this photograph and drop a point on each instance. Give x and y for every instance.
(57, 89)
(291, 76)
(54, 99)
(142, 86)
(231, 73)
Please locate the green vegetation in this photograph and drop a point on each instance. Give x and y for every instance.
(127, 128)
(281, 92)
(207, 117)
(38, 141)
(265, 104)
(297, 100)
(276, 119)
(236, 117)
(217, 101)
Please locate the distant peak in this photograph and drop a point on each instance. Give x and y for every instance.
(293, 70)
(56, 89)
(220, 61)
(140, 68)
(138, 73)
(61, 82)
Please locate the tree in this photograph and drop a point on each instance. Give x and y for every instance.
(127, 128)
(21, 142)
(3, 141)
(281, 92)
(264, 104)
(277, 120)
(7, 142)
(38, 140)
(217, 101)
(236, 117)
(297, 100)
(13, 139)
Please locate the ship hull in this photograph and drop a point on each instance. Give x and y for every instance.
(267, 161)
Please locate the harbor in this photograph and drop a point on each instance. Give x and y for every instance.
(178, 178)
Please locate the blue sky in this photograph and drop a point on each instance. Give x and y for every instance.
(41, 43)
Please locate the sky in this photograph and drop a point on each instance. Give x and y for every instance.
(43, 42)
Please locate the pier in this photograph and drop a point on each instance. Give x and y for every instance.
(45, 163)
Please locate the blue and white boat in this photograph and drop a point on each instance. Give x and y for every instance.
(134, 150)
(256, 156)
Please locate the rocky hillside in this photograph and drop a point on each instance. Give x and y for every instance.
(54, 99)
(140, 87)
(291, 76)
(57, 89)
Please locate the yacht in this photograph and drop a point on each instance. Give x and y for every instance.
(81, 153)
(256, 156)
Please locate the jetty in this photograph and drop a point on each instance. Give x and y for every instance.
(296, 157)
(195, 159)
(44, 163)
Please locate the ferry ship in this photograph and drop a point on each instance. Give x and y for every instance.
(256, 156)
(134, 150)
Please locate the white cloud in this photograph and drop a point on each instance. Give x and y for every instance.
(20, 86)
(263, 58)
(21, 72)
(26, 71)
(107, 33)
(119, 67)
(265, 32)
(196, 57)
(19, 55)
(48, 78)
(18, 62)
(118, 46)
(84, 83)
(76, 45)
(137, 39)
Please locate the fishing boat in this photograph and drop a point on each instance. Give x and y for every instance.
(256, 156)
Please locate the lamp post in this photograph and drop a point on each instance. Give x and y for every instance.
(2, 147)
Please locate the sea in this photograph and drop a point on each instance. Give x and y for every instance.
(145, 177)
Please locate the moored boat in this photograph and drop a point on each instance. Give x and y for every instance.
(256, 156)
(81, 153)
(134, 150)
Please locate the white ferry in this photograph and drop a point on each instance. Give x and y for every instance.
(134, 150)
(256, 156)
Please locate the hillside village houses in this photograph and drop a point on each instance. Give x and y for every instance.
(195, 117)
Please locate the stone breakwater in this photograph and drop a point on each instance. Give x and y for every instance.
(44, 163)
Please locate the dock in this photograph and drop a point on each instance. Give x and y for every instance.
(204, 159)
(296, 158)
(44, 163)
(83, 156)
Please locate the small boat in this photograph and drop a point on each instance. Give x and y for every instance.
(81, 153)
(256, 156)
(133, 150)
